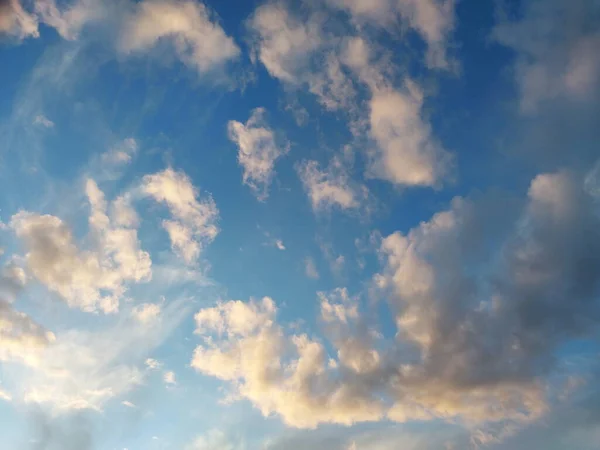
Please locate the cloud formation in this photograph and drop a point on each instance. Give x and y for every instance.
(473, 345)
(89, 279)
(199, 42)
(194, 220)
(555, 45)
(330, 188)
(433, 20)
(258, 150)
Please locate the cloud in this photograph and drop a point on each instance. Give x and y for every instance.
(555, 45)
(298, 52)
(433, 20)
(83, 369)
(88, 279)
(199, 42)
(43, 121)
(331, 187)
(169, 378)
(128, 404)
(310, 269)
(153, 364)
(282, 43)
(146, 313)
(70, 19)
(18, 331)
(478, 329)
(279, 244)
(5, 396)
(121, 153)
(245, 346)
(407, 152)
(194, 224)
(16, 21)
(212, 440)
(257, 151)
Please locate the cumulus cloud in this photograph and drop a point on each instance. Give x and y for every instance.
(18, 331)
(477, 328)
(194, 220)
(297, 51)
(279, 374)
(69, 19)
(555, 44)
(15, 21)
(121, 153)
(433, 20)
(257, 151)
(153, 364)
(198, 40)
(331, 187)
(88, 279)
(146, 313)
(283, 43)
(407, 152)
(169, 378)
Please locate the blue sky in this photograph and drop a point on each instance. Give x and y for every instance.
(325, 224)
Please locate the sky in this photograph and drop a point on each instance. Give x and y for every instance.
(308, 224)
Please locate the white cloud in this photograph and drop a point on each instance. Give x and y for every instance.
(310, 268)
(121, 153)
(195, 219)
(329, 188)
(128, 404)
(454, 312)
(198, 41)
(279, 244)
(169, 378)
(43, 121)
(89, 279)
(257, 151)
(275, 371)
(433, 20)
(408, 154)
(297, 51)
(554, 59)
(5, 396)
(146, 313)
(153, 364)
(283, 43)
(212, 440)
(82, 369)
(70, 19)
(16, 21)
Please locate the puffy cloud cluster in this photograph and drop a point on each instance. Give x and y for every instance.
(18, 331)
(407, 152)
(89, 279)
(16, 21)
(331, 187)
(188, 26)
(433, 20)
(67, 20)
(257, 151)
(279, 374)
(303, 52)
(556, 47)
(194, 220)
(478, 327)
(198, 41)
